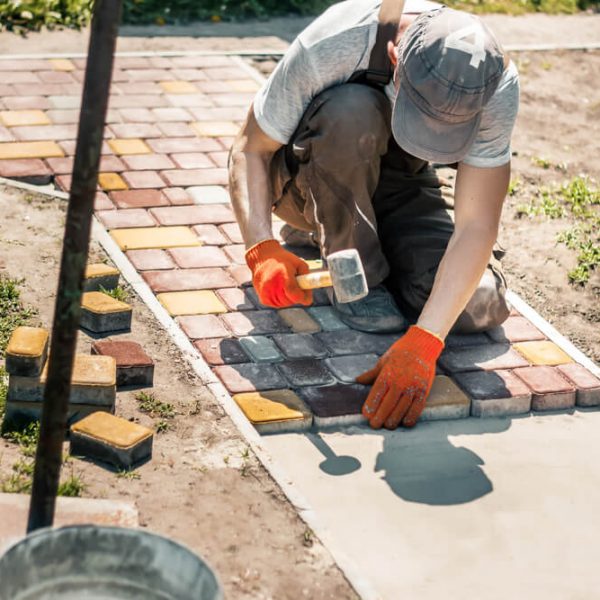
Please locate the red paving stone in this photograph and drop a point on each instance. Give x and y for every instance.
(150, 260)
(203, 327)
(222, 351)
(236, 253)
(137, 130)
(235, 299)
(176, 129)
(144, 162)
(64, 165)
(249, 377)
(102, 202)
(232, 231)
(166, 115)
(143, 179)
(202, 257)
(188, 177)
(255, 322)
(193, 160)
(45, 132)
(118, 219)
(193, 215)
(138, 198)
(551, 391)
(220, 114)
(24, 167)
(587, 384)
(187, 279)
(241, 274)
(28, 102)
(177, 196)
(184, 144)
(136, 115)
(210, 234)
(516, 329)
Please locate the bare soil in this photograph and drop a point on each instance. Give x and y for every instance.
(203, 486)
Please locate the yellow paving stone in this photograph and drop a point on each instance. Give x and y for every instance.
(27, 341)
(299, 320)
(91, 370)
(111, 181)
(99, 270)
(144, 238)
(178, 87)
(197, 302)
(215, 128)
(112, 430)
(18, 118)
(100, 302)
(446, 401)
(244, 85)
(129, 146)
(99, 276)
(30, 150)
(272, 407)
(61, 64)
(543, 353)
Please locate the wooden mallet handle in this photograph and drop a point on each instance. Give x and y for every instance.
(316, 279)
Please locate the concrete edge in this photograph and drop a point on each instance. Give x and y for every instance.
(272, 52)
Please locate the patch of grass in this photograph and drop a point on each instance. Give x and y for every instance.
(128, 474)
(514, 186)
(149, 404)
(72, 487)
(162, 426)
(22, 15)
(118, 293)
(540, 161)
(12, 312)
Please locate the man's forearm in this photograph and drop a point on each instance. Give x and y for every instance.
(457, 278)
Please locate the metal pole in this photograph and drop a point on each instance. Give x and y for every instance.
(48, 458)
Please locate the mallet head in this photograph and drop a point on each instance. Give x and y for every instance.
(347, 275)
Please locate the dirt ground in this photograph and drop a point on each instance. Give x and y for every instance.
(203, 486)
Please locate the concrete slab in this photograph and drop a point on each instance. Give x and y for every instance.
(481, 509)
(14, 509)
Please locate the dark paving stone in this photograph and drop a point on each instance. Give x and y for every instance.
(305, 372)
(222, 351)
(335, 400)
(300, 345)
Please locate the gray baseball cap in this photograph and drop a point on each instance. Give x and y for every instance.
(450, 65)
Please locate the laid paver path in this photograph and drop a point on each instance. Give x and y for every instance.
(163, 197)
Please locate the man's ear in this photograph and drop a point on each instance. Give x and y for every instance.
(392, 51)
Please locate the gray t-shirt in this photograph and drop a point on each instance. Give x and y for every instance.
(337, 44)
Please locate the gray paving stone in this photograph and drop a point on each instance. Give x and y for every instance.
(337, 404)
(349, 341)
(305, 372)
(261, 349)
(347, 368)
(325, 316)
(491, 357)
(300, 345)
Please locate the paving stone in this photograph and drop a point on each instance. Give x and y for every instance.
(300, 345)
(215, 128)
(203, 256)
(219, 158)
(254, 322)
(183, 144)
(136, 101)
(26, 351)
(305, 372)
(491, 357)
(274, 411)
(232, 231)
(137, 115)
(69, 511)
(197, 302)
(55, 77)
(6, 135)
(326, 317)
(171, 114)
(255, 299)
(543, 353)
(189, 74)
(193, 215)
(192, 160)
(129, 146)
(176, 129)
(102, 313)
(516, 329)
(111, 439)
(135, 130)
(455, 340)
(320, 298)
(209, 194)
(61, 64)
(219, 113)
(203, 327)
(177, 196)
(29, 170)
(134, 366)
(236, 253)
(161, 75)
(209, 234)
(178, 87)
(348, 368)
(139, 198)
(156, 237)
(142, 162)
(241, 274)
(261, 349)
(46, 132)
(143, 179)
(193, 177)
(99, 275)
(29, 150)
(298, 320)
(150, 260)
(28, 103)
(111, 181)
(187, 279)
(130, 62)
(16, 118)
(93, 383)
(214, 87)
(495, 393)
(220, 351)
(587, 384)
(233, 99)
(235, 299)
(249, 377)
(349, 341)
(69, 147)
(126, 218)
(102, 202)
(445, 401)
(550, 390)
(337, 404)
(226, 142)
(188, 100)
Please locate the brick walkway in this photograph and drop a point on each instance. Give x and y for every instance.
(164, 199)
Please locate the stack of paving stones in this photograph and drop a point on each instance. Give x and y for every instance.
(163, 197)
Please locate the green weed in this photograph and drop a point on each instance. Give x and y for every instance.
(540, 161)
(12, 312)
(163, 426)
(514, 186)
(118, 293)
(128, 474)
(149, 404)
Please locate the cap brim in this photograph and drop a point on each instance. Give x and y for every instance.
(428, 138)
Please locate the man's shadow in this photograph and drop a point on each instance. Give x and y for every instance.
(422, 464)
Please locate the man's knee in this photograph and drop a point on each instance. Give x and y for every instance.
(487, 308)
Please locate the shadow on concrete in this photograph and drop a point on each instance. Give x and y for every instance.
(334, 464)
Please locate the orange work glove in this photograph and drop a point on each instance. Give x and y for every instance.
(274, 273)
(403, 377)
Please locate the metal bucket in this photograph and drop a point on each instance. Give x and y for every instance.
(104, 563)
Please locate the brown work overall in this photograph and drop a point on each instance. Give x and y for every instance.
(343, 177)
